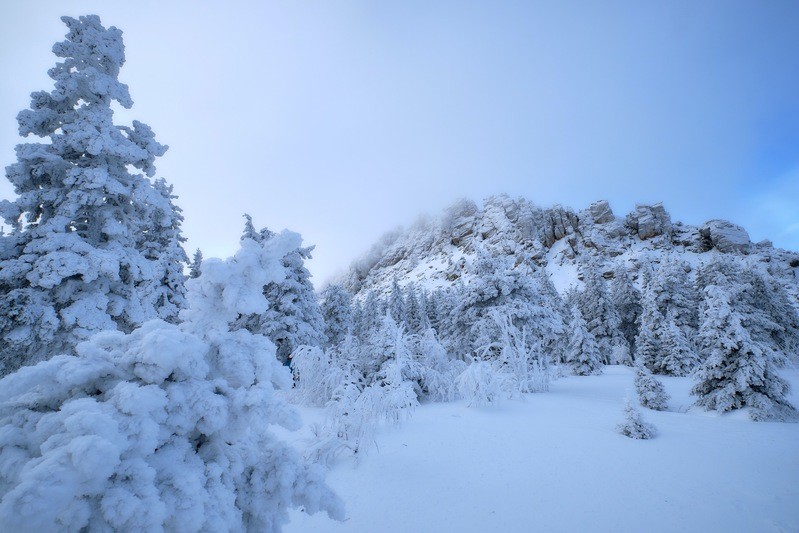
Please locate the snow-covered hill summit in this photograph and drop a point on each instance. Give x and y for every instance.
(435, 253)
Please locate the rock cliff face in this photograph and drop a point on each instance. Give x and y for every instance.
(437, 252)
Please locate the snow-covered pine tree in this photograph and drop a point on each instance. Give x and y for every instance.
(627, 300)
(583, 355)
(449, 324)
(399, 375)
(317, 374)
(162, 243)
(679, 357)
(396, 303)
(633, 425)
(735, 372)
(195, 268)
(432, 306)
(648, 349)
(500, 285)
(650, 391)
(416, 310)
(74, 263)
(549, 316)
(769, 315)
(368, 316)
(165, 428)
(675, 291)
(337, 313)
(438, 371)
(525, 361)
(249, 231)
(601, 317)
(294, 317)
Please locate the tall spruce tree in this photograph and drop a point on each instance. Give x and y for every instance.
(94, 244)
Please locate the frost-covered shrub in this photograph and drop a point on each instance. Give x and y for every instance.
(315, 376)
(482, 384)
(363, 402)
(527, 367)
(650, 391)
(438, 371)
(165, 428)
(633, 425)
(356, 413)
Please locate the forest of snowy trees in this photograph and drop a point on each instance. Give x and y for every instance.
(139, 386)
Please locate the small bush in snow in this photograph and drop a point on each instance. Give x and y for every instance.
(481, 384)
(438, 372)
(650, 391)
(633, 425)
(315, 376)
(519, 356)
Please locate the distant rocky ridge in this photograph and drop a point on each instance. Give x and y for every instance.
(436, 252)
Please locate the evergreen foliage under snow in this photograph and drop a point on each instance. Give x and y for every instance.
(164, 428)
(735, 371)
(633, 425)
(95, 245)
(650, 391)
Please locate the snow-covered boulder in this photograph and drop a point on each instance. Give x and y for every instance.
(649, 221)
(601, 213)
(726, 237)
(459, 220)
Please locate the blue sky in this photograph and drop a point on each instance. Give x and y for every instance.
(342, 120)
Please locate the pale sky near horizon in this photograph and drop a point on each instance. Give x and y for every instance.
(343, 120)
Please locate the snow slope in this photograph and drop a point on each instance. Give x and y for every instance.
(554, 462)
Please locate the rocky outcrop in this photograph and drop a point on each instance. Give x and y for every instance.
(439, 252)
(648, 221)
(726, 237)
(459, 220)
(601, 213)
(558, 222)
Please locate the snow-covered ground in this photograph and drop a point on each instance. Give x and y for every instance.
(554, 462)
